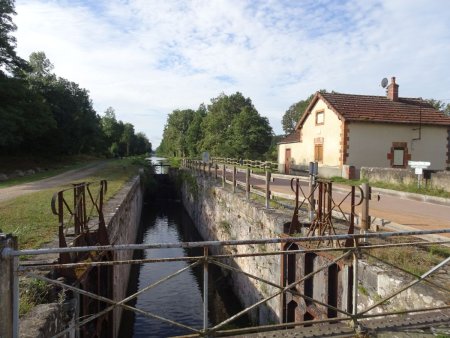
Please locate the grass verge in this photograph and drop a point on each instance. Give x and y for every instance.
(414, 259)
(29, 217)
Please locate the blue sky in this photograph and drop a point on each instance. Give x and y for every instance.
(146, 58)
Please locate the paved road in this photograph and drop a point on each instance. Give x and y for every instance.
(51, 182)
(393, 211)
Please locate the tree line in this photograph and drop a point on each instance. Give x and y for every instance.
(230, 126)
(41, 113)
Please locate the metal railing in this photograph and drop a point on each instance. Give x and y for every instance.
(263, 165)
(275, 187)
(252, 183)
(12, 268)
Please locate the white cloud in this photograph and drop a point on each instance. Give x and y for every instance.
(146, 58)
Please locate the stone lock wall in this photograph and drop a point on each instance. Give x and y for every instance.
(122, 218)
(377, 281)
(221, 215)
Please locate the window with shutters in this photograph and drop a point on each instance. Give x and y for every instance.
(318, 152)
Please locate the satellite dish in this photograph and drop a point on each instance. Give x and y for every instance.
(384, 83)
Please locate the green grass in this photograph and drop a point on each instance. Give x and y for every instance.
(414, 259)
(30, 218)
(412, 188)
(32, 292)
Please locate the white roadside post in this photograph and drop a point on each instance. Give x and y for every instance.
(418, 169)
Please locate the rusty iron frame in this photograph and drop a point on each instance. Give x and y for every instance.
(323, 220)
(89, 229)
(82, 194)
(356, 317)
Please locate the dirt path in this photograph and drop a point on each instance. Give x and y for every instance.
(51, 182)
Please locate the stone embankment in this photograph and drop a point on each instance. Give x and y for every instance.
(220, 214)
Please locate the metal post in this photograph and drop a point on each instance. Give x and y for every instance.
(205, 290)
(365, 208)
(267, 189)
(234, 178)
(355, 288)
(9, 288)
(215, 170)
(312, 185)
(247, 183)
(223, 175)
(351, 228)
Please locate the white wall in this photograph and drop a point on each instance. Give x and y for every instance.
(370, 143)
(303, 152)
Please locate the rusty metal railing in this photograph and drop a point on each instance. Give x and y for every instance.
(317, 197)
(357, 317)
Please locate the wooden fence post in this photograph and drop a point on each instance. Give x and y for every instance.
(9, 288)
(223, 175)
(267, 189)
(365, 222)
(234, 178)
(247, 183)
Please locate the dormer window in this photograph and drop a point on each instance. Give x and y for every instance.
(320, 117)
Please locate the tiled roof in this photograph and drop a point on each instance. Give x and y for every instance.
(291, 138)
(381, 109)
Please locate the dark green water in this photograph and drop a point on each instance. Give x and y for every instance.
(180, 298)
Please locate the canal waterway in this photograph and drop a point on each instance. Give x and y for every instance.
(181, 297)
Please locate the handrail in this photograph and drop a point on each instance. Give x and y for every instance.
(357, 316)
(232, 174)
(270, 186)
(264, 165)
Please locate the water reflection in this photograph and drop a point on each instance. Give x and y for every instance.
(181, 297)
(159, 163)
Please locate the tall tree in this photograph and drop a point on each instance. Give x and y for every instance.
(194, 134)
(217, 122)
(440, 105)
(141, 144)
(175, 132)
(251, 134)
(8, 57)
(24, 116)
(40, 69)
(112, 130)
(127, 136)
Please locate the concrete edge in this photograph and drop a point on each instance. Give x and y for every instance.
(402, 194)
(414, 196)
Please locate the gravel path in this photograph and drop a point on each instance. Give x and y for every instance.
(51, 182)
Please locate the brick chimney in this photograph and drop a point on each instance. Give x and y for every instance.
(392, 90)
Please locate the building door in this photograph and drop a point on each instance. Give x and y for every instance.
(287, 161)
